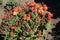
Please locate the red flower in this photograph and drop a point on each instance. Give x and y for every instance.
(5, 11)
(26, 17)
(4, 16)
(13, 27)
(15, 9)
(32, 9)
(45, 7)
(28, 14)
(39, 32)
(49, 19)
(11, 33)
(38, 6)
(32, 4)
(27, 3)
(50, 15)
(16, 23)
(36, 39)
(21, 9)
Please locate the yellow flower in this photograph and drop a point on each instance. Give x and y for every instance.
(39, 11)
(15, 13)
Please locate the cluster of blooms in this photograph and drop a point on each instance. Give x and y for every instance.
(26, 22)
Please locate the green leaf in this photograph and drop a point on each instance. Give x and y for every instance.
(6, 33)
(1, 1)
(48, 25)
(35, 13)
(8, 7)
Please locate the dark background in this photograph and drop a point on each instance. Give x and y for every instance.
(54, 6)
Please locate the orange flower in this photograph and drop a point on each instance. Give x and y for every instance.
(32, 4)
(16, 9)
(27, 3)
(45, 7)
(11, 33)
(16, 23)
(39, 11)
(15, 13)
(32, 9)
(50, 15)
(21, 9)
(38, 6)
(28, 29)
(36, 39)
(28, 14)
(39, 32)
(13, 27)
(4, 16)
(11, 13)
(49, 19)
(5, 11)
(26, 17)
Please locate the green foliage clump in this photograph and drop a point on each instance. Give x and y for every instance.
(26, 24)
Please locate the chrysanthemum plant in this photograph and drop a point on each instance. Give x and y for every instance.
(27, 22)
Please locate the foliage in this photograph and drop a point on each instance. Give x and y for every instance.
(26, 23)
(10, 5)
(1, 2)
